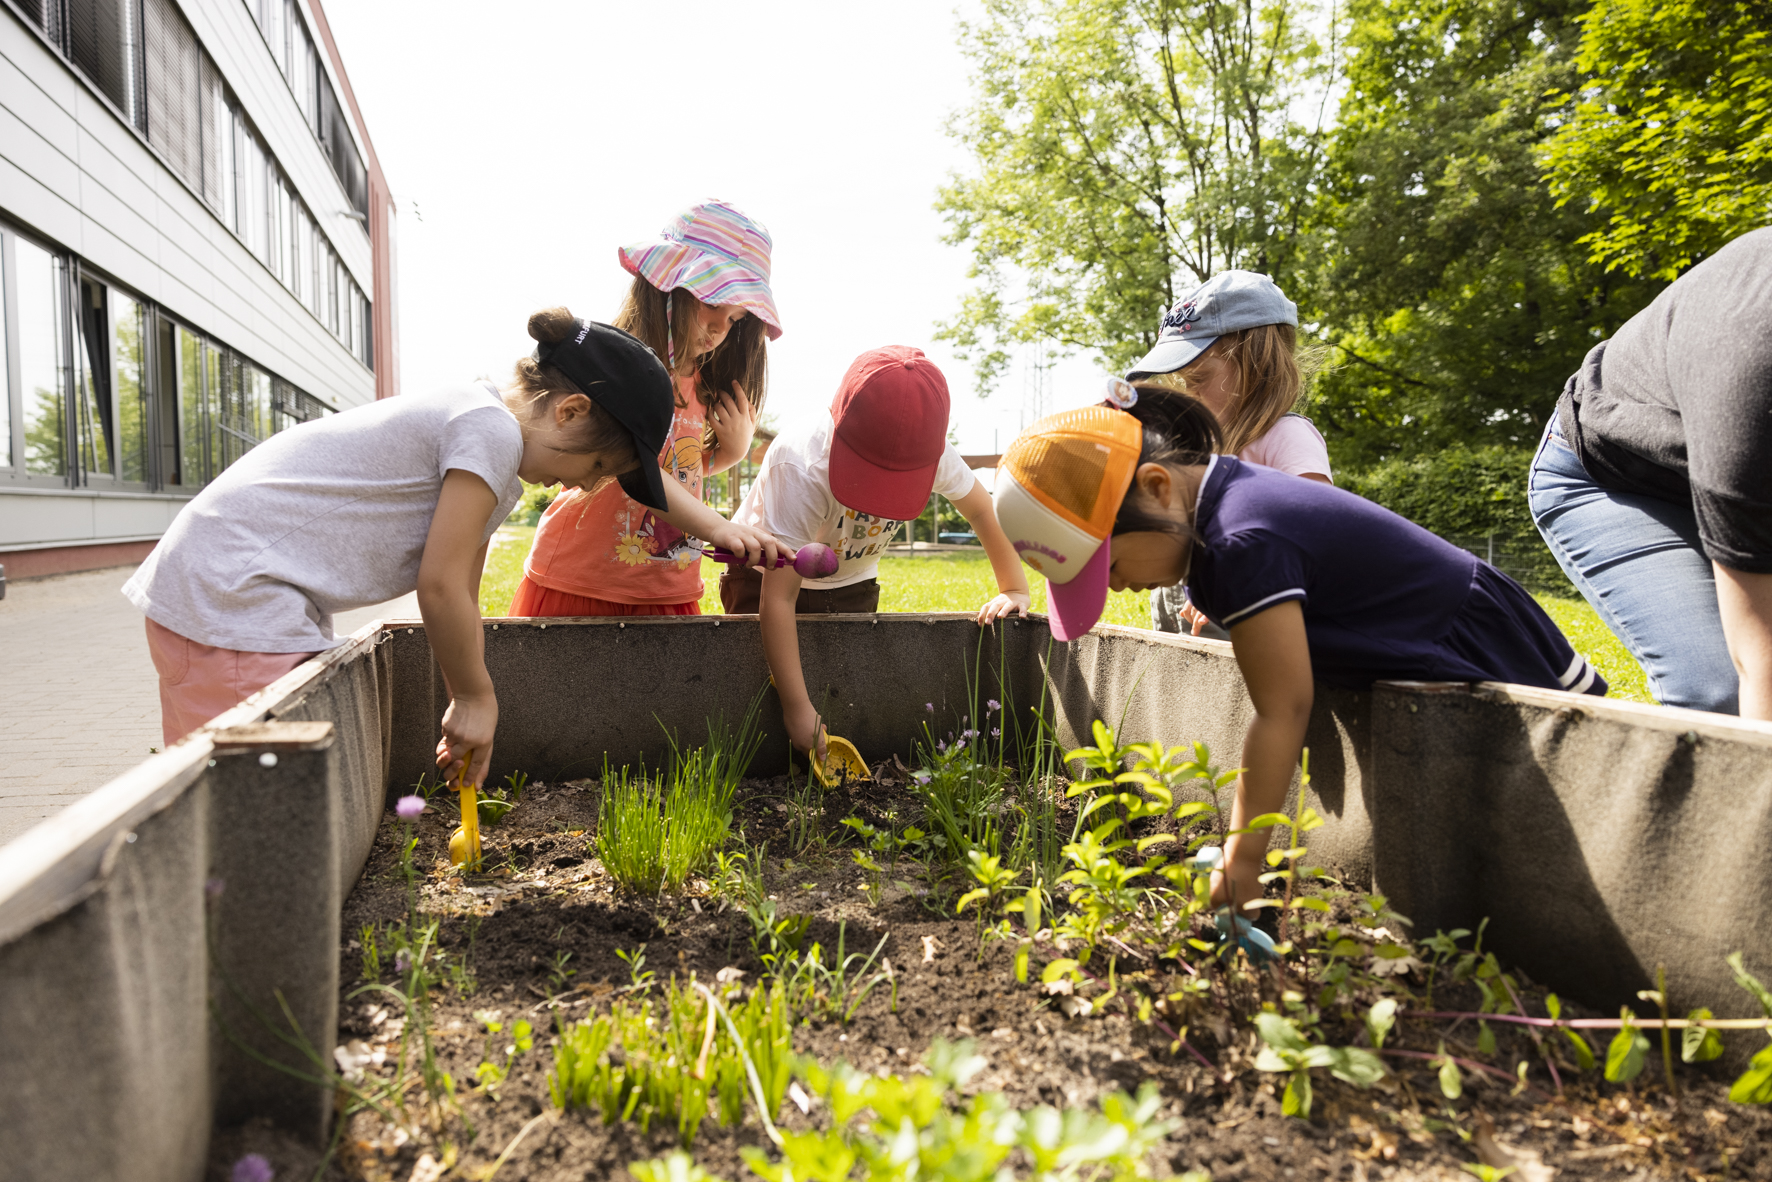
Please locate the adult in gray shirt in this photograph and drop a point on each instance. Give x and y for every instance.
(1653, 483)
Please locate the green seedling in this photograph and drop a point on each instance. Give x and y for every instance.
(994, 880)
(639, 976)
(371, 951)
(560, 974)
(495, 1068)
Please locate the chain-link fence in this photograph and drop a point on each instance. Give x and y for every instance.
(1521, 556)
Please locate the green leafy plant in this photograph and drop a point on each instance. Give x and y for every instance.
(893, 1128)
(1285, 1048)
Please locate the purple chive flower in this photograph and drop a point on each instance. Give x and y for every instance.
(252, 1168)
(993, 705)
(402, 961)
(929, 706)
(213, 887)
(996, 732)
(921, 777)
(409, 807)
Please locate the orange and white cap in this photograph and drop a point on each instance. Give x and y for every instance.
(1059, 488)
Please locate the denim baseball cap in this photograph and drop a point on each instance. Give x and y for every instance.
(1227, 302)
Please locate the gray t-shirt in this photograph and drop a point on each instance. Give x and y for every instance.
(1678, 404)
(324, 517)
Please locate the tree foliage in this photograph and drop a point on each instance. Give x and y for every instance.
(1123, 148)
(1671, 134)
(1444, 271)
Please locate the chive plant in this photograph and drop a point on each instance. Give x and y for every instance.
(653, 833)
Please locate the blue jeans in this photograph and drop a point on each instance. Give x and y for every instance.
(1637, 560)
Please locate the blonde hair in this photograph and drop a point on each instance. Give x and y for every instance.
(536, 387)
(1273, 372)
(743, 357)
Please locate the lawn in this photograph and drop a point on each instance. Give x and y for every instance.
(961, 582)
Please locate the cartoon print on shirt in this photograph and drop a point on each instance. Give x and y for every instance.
(865, 535)
(654, 539)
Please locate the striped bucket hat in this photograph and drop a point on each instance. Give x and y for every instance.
(716, 252)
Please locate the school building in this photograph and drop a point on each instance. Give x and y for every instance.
(196, 251)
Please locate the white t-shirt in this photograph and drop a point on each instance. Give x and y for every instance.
(1294, 446)
(324, 517)
(792, 499)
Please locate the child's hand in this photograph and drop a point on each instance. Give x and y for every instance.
(1007, 603)
(734, 420)
(803, 725)
(1194, 618)
(1241, 877)
(755, 546)
(468, 725)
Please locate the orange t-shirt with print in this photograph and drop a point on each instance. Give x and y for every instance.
(607, 545)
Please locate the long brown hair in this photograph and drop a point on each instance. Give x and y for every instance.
(1273, 371)
(743, 357)
(536, 387)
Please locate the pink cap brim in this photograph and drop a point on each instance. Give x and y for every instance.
(1075, 606)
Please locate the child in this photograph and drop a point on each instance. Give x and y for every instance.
(700, 299)
(1233, 344)
(1314, 583)
(849, 479)
(357, 508)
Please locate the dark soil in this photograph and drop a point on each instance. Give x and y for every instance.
(545, 895)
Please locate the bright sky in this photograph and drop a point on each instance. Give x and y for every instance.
(526, 141)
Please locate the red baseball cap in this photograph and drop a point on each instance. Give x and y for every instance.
(892, 426)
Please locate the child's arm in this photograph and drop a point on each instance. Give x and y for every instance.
(1013, 597)
(697, 520)
(449, 601)
(781, 648)
(1275, 658)
(735, 422)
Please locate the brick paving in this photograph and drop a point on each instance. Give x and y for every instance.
(79, 703)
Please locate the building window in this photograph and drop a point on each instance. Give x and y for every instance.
(292, 47)
(41, 288)
(114, 393)
(103, 38)
(145, 57)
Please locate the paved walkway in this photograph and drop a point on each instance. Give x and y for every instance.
(79, 700)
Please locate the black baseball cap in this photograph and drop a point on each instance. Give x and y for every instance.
(624, 377)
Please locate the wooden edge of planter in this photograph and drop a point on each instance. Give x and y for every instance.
(48, 867)
(273, 736)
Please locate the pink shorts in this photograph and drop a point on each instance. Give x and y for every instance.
(200, 681)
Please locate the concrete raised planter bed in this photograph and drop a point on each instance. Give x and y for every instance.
(1599, 838)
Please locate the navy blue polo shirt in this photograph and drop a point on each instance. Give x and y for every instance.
(1383, 599)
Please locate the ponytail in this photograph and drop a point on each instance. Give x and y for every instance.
(1179, 432)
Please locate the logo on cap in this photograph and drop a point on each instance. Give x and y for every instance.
(1022, 548)
(1182, 316)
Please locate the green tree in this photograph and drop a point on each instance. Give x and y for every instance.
(1671, 137)
(1444, 270)
(1124, 147)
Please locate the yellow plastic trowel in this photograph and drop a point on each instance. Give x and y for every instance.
(464, 843)
(841, 762)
